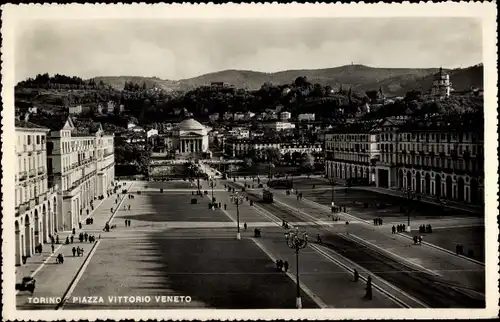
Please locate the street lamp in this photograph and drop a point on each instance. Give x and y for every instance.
(332, 182)
(212, 185)
(410, 196)
(297, 240)
(237, 198)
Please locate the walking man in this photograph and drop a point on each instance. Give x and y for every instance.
(245, 226)
(286, 266)
(369, 294)
(356, 275)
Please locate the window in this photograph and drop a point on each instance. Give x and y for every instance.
(29, 139)
(38, 139)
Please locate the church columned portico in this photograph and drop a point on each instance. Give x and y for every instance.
(191, 145)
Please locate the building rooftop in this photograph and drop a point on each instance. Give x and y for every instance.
(29, 125)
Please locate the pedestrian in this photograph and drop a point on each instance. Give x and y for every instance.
(126, 222)
(403, 228)
(393, 229)
(74, 251)
(420, 240)
(381, 221)
(369, 294)
(285, 265)
(128, 207)
(415, 238)
(319, 239)
(225, 207)
(129, 222)
(374, 221)
(277, 264)
(356, 275)
(86, 237)
(57, 239)
(72, 239)
(245, 226)
(52, 247)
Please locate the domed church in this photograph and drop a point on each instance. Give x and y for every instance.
(190, 138)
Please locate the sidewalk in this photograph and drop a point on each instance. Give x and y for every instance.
(54, 279)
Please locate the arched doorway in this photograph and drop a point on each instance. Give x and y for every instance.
(474, 191)
(38, 233)
(461, 185)
(408, 180)
(18, 244)
(449, 188)
(438, 185)
(418, 182)
(400, 179)
(45, 227)
(427, 184)
(27, 236)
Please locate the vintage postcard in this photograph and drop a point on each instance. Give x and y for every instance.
(254, 161)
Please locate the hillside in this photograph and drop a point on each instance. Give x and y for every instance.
(359, 77)
(461, 79)
(118, 82)
(394, 81)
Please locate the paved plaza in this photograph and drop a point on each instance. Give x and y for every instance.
(176, 248)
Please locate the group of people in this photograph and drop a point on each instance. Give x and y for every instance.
(77, 251)
(127, 222)
(282, 266)
(335, 218)
(336, 209)
(131, 196)
(60, 259)
(39, 248)
(89, 221)
(425, 228)
(398, 228)
(86, 237)
(125, 207)
(378, 221)
(417, 240)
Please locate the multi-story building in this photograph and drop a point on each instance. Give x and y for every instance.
(306, 117)
(438, 157)
(351, 152)
(285, 116)
(279, 126)
(75, 110)
(81, 162)
(36, 214)
(257, 147)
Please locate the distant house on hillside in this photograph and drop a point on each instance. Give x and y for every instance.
(75, 110)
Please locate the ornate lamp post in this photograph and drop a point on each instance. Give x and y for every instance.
(410, 196)
(297, 240)
(332, 182)
(237, 199)
(212, 185)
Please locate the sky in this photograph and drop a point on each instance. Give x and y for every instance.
(179, 49)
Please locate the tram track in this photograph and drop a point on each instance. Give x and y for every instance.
(428, 288)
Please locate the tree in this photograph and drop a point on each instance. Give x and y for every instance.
(248, 163)
(273, 156)
(308, 163)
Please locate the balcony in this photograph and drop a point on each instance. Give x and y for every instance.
(32, 203)
(40, 170)
(23, 208)
(32, 173)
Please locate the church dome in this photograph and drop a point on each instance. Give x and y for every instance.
(190, 125)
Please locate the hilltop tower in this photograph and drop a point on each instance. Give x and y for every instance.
(441, 85)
